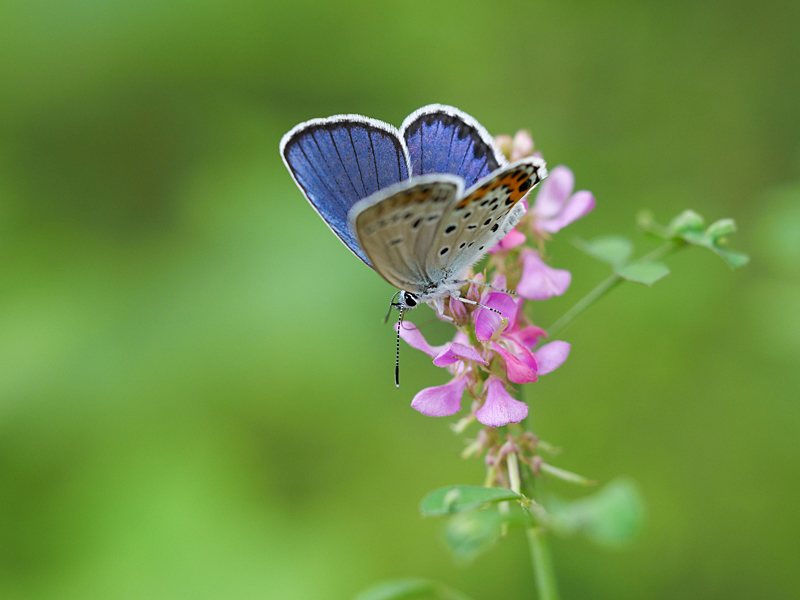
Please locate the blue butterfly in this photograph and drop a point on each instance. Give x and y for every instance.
(420, 205)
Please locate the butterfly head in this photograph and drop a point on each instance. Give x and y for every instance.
(407, 301)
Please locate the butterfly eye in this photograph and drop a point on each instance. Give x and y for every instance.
(409, 299)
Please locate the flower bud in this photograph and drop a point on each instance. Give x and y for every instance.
(522, 145)
(505, 143)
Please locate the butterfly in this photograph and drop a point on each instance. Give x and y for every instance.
(420, 204)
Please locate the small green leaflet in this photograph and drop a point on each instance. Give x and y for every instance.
(647, 273)
(616, 251)
(460, 498)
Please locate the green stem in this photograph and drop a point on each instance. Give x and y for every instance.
(513, 472)
(608, 284)
(601, 290)
(542, 565)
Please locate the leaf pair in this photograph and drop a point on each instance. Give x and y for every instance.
(616, 251)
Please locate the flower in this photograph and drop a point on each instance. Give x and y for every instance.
(518, 147)
(505, 337)
(556, 206)
(500, 407)
(515, 343)
(443, 400)
(539, 281)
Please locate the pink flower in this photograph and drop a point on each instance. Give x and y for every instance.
(539, 281)
(551, 356)
(512, 239)
(518, 147)
(520, 362)
(522, 145)
(488, 322)
(556, 206)
(443, 400)
(515, 344)
(500, 408)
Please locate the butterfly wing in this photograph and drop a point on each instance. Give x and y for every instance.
(397, 226)
(340, 160)
(485, 214)
(443, 139)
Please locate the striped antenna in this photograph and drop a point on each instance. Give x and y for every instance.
(397, 352)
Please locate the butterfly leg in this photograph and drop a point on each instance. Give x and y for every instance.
(468, 301)
(392, 305)
(490, 286)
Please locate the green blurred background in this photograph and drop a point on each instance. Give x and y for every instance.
(195, 386)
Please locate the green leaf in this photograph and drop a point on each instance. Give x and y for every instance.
(721, 228)
(609, 518)
(471, 533)
(646, 273)
(612, 249)
(733, 258)
(460, 498)
(411, 589)
(686, 222)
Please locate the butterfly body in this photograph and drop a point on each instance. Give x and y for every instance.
(420, 205)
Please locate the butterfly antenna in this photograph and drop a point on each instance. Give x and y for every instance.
(392, 304)
(397, 351)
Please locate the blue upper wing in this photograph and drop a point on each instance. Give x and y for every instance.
(340, 160)
(442, 139)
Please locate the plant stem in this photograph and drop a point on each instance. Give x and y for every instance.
(542, 565)
(513, 472)
(603, 288)
(610, 283)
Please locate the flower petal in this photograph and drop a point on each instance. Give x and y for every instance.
(414, 338)
(551, 356)
(517, 369)
(581, 204)
(522, 145)
(442, 400)
(539, 281)
(457, 309)
(487, 321)
(474, 291)
(528, 336)
(554, 192)
(500, 407)
(512, 239)
(455, 352)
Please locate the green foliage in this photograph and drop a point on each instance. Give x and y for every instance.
(461, 498)
(609, 518)
(689, 228)
(612, 249)
(616, 251)
(643, 272)
(411, 589)
(469, 534)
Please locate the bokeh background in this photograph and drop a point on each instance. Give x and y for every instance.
(196, 394)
